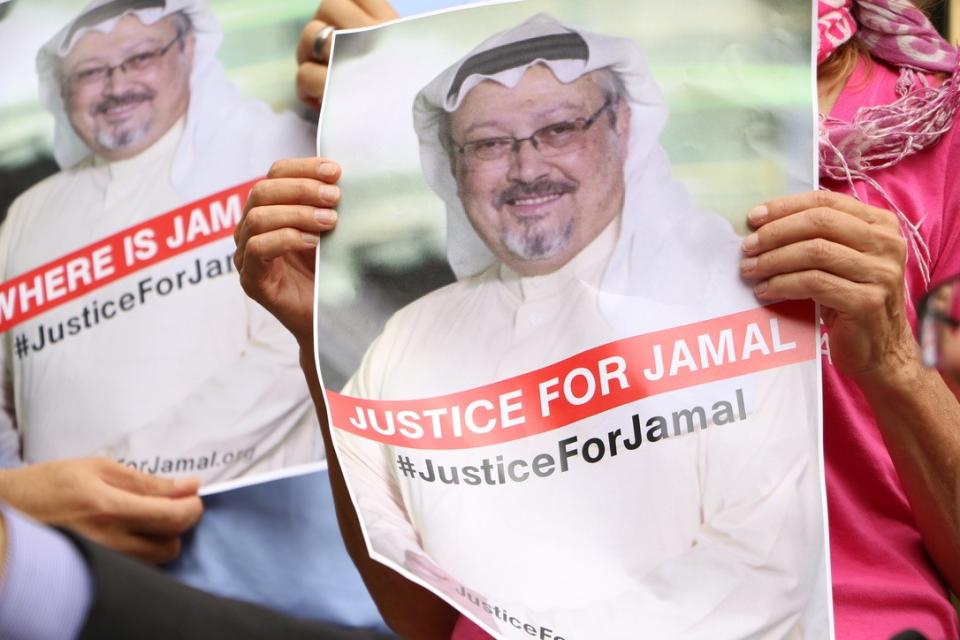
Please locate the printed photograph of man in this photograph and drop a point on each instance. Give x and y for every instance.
(566, 231)
(117, 402)
(147, 122)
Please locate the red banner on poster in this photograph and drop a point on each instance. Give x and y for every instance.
(89, 268)
(588, 383)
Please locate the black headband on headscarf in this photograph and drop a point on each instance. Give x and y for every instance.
(110, 10)
(558, 46)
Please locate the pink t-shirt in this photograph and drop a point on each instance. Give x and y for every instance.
(883, 579)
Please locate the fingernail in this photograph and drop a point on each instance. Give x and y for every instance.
(747, 265)
(310, 238)
(329, 193)
(325, 216)
(760, 288)
(327, 170)
(750, 242)
(758, 214)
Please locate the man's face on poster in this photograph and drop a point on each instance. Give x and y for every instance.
(124, 89)
(537, 202)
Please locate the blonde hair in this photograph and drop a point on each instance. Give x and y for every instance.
(845, 58)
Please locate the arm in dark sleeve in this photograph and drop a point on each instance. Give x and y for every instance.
(132, 600)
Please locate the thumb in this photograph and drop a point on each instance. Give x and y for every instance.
(149, 485)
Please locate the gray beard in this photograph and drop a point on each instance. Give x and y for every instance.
(119, 138)
(532, 243)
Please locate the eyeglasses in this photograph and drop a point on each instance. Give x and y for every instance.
(939, 321)
(137, 63)
(552, 140)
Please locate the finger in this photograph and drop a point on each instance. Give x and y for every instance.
(310, 167)
(263, 248)
(149, 549)
(822, 255)
(138, 482)
(378, 9)
(311, 80)
(824, 288)
(344, 14)
(151, 515)
(269, 218)
(780, 208)
(809, 224)
(308, 37)
(309, 192)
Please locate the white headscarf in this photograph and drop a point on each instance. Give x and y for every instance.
(216, 114)
(658, 222)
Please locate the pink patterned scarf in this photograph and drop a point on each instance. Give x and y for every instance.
(878, 137)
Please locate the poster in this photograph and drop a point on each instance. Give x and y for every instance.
(560, 408)
(125, 332)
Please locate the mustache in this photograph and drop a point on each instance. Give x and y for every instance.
(122, 100)
(538, 189)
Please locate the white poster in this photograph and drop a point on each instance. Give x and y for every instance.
(562, 410)
(125, 330)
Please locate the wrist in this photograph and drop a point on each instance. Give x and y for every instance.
(898, 367)
(897, 375)
(307, 363)
(10, 488)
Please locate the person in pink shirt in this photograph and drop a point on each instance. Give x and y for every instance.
(888, 97)
(886, 227)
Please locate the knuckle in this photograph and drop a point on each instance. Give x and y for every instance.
(897, 246)
(306, 191)
(258, 193)
(818, 249)
(768, 236)
(291, 236)
(255, 245)
(888, 218)
(874, 299)
(276, 168)
(102, 507)
(254, 220)
(891, 275)
(177, 521)
(821, 282)
(823, 219)
(824, 199)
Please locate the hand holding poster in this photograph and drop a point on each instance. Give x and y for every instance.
(585, 426)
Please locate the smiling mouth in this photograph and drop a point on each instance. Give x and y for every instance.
(532, 201)
(116, 109)
(120, 112)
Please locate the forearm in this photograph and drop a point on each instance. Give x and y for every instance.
(14, 493)
(919, 418)
(45, 587)
(409, 609)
